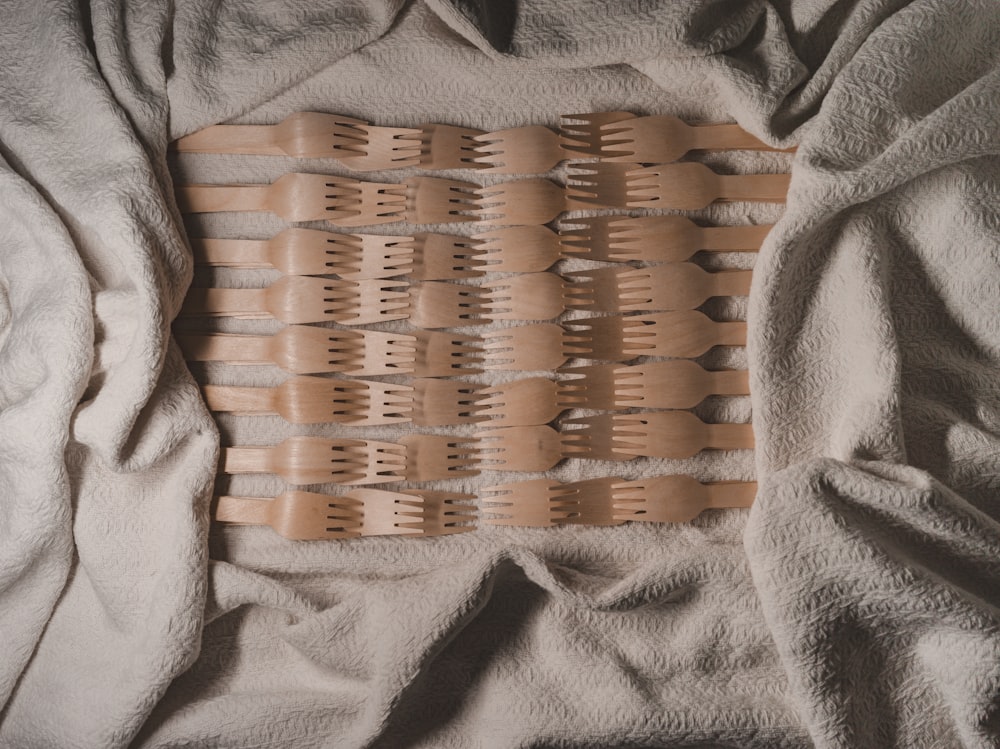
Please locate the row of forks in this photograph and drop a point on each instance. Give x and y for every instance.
(443, 304)
(431, 402)
(302, 515)
(434, 457)
(429, 256)
(361, 146)
(303, 349)
(348, 202)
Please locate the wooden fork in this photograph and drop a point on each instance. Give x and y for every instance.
(315, 460)
(532, 149)
(655, 139)
(530, 401)
(354, 257)
(448, 147)
(684, 186)
(660, 434)
(301, 134)
(675, 383)
(439, 304)
(652, 239)
(362, 353)
(673, 286)
(540, 447)
(299, 299)
(318, 400)
(342, 201)
(536, 296)
(540, 347)
(677, 499)
(523, 249)
(544, 503)
(683, 333)
(299, 515)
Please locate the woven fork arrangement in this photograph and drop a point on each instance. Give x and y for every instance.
(601, 309)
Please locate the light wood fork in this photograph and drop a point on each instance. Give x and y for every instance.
(424, 402)
(611, 501)
(659, 434)
(683, 186)
(316, 460)
(655, 139)
(302, 349)
(683, 334)
(654, 239)
(309, 252)
(675, 383)
(309, 516)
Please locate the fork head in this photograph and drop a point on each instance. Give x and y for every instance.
(527, 202)
(534, 296)
(434, 457)
(584, 133)
(621, 239)
(440, 304)
(440, 354)
(309, 516)
(383, 148)
(601, 185)
(301, 299)
(434, 200)
(339, 200)
(304, 349)
(445, 257)
(318, 400)
(438, 402)
(520, 150)
(595, 438)
(443, 513)
(525, 448)
(448, 147)
(316, 134)
(525, 503)
(519, 249)
(660, 499)
(587, 502)
(524, 402)
(532, 348)
(311, 252)
(356, 257)
(314, 460)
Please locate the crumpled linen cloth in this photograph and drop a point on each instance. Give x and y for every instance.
(856, 605)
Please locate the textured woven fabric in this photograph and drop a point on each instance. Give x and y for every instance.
(853, 606)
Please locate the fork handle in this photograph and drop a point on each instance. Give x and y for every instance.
(243, 400)
(730, 334)
(246, 303)
(725, 138)
(226, 347)
(234, 253)
(730, 436)
(247, 460)
(768, 188)
(243, 510)
(722, 494)
(731, 282)
(723, 238)
(247, 139)
(221, 198)
(729, 381)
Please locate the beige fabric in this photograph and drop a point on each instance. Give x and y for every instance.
(855, 608)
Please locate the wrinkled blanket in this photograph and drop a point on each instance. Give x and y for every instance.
(855, 605)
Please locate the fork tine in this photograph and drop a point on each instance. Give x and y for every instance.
(581, 133)
(439, 402)
(363, 256)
